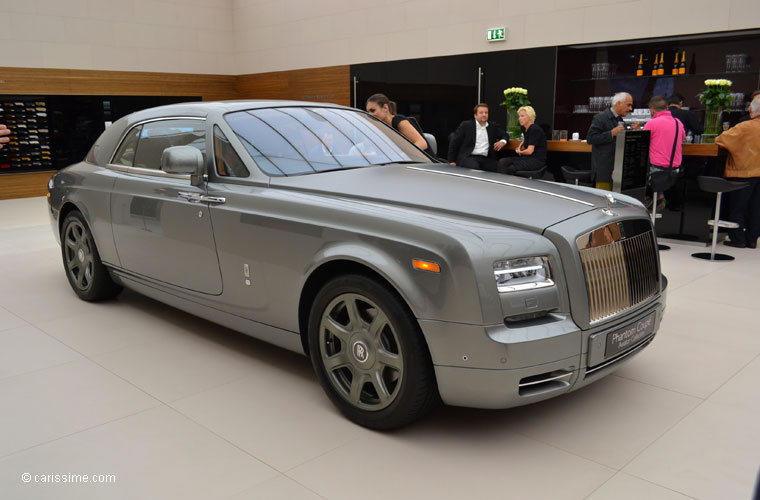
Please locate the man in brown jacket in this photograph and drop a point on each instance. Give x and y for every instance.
(743, 164)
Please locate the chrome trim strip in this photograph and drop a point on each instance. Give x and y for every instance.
(152, 172)
(504, 184)
(526, 384)
(118, 168)
(517, 270)
(535, 285)
(633, 351)
(118, 146)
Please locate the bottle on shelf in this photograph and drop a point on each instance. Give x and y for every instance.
(661, 66)
(640, 66)
(654, 66)
(682, 66)
(674, 71)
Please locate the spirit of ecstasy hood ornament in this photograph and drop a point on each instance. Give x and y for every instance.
(610, 202)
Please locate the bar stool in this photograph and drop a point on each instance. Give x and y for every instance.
(577, 176)
(532, 174)
(717, 185)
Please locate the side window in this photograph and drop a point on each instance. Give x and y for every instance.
(228, 163)
(156, 136)
(126, 153)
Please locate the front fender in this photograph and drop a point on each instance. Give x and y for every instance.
(449, 295)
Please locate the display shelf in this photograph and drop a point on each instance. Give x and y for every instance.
(705, 59)
(29, 147)
(719, 74)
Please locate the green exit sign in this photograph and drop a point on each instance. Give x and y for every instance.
(496, 34)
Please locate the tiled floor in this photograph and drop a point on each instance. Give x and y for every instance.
(177, 408)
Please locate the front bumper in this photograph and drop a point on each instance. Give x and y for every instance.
(53, 215)
(499, 367)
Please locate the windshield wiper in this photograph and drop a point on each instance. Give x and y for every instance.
(342, 168)
(402, 162)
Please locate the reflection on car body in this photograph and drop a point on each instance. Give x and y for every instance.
(320, 229)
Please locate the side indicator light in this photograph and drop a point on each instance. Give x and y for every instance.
(426, 266)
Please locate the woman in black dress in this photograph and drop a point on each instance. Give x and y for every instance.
(380, 107)
(531, 153)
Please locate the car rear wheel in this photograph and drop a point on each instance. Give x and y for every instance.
(369, 354)
(86, 273)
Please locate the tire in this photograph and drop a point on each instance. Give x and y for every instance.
(369, 354)
(86, 273)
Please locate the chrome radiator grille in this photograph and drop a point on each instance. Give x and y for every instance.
(620, 272)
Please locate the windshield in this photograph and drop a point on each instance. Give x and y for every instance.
(296, 141)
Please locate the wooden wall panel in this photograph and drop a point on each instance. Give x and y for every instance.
(24, 185)
(89, 82)
(329, 84)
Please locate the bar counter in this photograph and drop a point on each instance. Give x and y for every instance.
(688, 225)
(707, 150)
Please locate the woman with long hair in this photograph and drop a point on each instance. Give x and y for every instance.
(379, 106)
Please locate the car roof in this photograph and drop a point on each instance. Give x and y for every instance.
(204, 108)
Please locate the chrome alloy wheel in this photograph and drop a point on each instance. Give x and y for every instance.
(78, 255)
(361, 352)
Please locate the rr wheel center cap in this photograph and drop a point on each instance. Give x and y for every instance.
(80, 255)
(360, 351)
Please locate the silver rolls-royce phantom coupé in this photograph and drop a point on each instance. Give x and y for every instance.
(318, 228)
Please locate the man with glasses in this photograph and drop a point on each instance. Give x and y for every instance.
(743, 164)
(602, 136)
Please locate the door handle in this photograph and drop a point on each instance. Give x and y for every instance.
(197, 198)
(217, 200)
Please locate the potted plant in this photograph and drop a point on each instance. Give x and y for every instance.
(514, 98)
(716, 97)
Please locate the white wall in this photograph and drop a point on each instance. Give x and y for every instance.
(178, 36)
(255, 36)
(276, 35)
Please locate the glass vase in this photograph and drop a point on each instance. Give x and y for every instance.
(513, 124)
(712, 121)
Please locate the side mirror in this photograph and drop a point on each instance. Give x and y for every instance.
(184, 160)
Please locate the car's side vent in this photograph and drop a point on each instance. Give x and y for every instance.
(545, 382)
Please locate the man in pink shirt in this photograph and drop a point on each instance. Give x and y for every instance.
(667, 135)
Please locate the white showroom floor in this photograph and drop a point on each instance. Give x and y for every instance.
(173, 407)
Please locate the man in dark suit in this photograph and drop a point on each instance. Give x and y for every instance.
(602, 135)
(694, 166)
(690, 122)
(475, 142)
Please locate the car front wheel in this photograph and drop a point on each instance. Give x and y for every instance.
(369, 354)
(86, 273)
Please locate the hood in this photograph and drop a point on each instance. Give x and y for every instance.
(485, 196)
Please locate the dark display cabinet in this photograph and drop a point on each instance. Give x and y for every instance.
(53, 131)
(29, 149)
(589, 74)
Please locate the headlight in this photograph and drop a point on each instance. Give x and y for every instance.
(522, 274)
